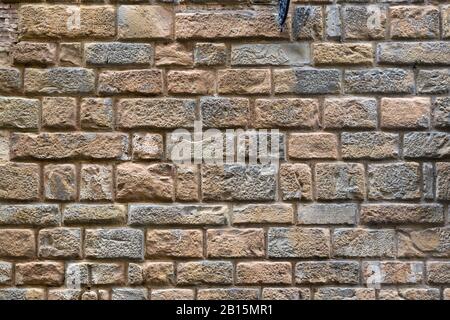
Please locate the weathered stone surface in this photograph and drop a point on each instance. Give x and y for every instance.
(17, 243)
(270, 54)
(40, 273)
(64, 294)
(298, 242)
(114, 243)
(144, 22)
(60, 80)
(172, 294)
(342, 53)
(210, 54)
(116, 53)
(59, 182)
(363, 243)
(205, 272)
(307, 23)
(144, 182)
(295, 181)
(262, 213)
(190, 82)
(418, 243)
(353, 112)
(141, 214)
(405, 113)
(340, 272)
(147, 146)
(244, 81)
(227, 294)
(401, 213)
(438, 272)
(45, 146)
(61, 21)
(321, 213)
(20, 181)
(298, 113)
(441, 112)
(219, 112)
(394, 181)
(148, 81)
(173, 54)
(174, 243)
(333, 24)
(369, 145)
(30, 214)
(286, 294)
(187, 183)
(312, 146)
(219, 24)
(443, 180)
(238, 182)
(235, 243)
(339, 181)
(96, 113)
(426, 145)
(4, 145)
(414, 53)
(433, 81)
(445, 17)
(409, 294)
(151, 273)
(264, 273)
(6, 271)
(34, 53)
(19, 113)
(94, 214)
(414, 22)
(70, 54)
(379, 81)
(364, 22)
(10, 80)
(96, 182)
(60, 243)
(335, 293)
(392, 272)
(129, 294)
(155, 113)
(306, 81)
(59, 112)
(22, 294)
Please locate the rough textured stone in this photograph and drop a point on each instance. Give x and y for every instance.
(6, 270)
(147, 81)
(116, 53)
(426, 145)
(144, 22)
(147, 146)
(295, 181)
(409, 294)
(306, 81)
(235, 243)
(401, 213)
(342, 53)
(155, 113)
(262, 213)
(413, 22)
(238, 182)
(96, 182)
(441, 112)
(60, 80)
(244, 81)
(114, 243)
(405, 113)
(151, 273)
(307, 23)
(94, 214)
(418, 243)
(392, 272)
(270, 54)
(227, 294)
(40, 273)
(60, 182)
(433, 81)
(369, 145)
(264, 273)
(210, 54)
(321, 213)
(144, 182)
(96, 113)
(80, 145)
(353, 112)
(30, 214)
(414, 53)
(20, 181)
(64, 294)
(438, 272)
(224, 112)
(60, 243)
(364, 22)
(129, 294)
(22, 294)
(394, 181)
(445, 17)
(379, 81)
(172, 294)
(173, 54)
(10, 80)
(286, 294)
(363, 243)
(190, 82)
(17, 243)
(312, 146)
(19, 113)
(187, 183)
(174, 243)
(339, 181)
(205, 273)
(298, 113)
(70, 54)
(34, 53)
(59, 112)
(340, 272)
(330, 293)
(298, 242)
(443, 180)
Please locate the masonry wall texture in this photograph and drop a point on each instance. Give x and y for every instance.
(92, 207)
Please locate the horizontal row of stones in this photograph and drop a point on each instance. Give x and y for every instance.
(235, 293)
(166, 22)
(205, 54)
(331, 114)
(212, 272)
(201, 215)
(244, 81)
(136, 182)
(126, 243)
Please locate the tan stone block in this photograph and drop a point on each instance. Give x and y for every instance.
(174, 243)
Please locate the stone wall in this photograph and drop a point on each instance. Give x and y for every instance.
(92, 207)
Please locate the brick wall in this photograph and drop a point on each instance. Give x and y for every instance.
(92, 207)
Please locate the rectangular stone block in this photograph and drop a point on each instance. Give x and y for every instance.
(339, 272)
(40, 273)
(443, 180)
(414, 22)
(235, 243)
(174, 54)
(263, 273)
(96, 113)
(59, 113)
(424, 242)
(369, 145)
(349, 113)
(405, 113)
(34, 53)
(172, 294)
(426, 145)
(323, 213)
(22, 294)
(441, 112)
(191, 82)
(187, 183)
(60, 243)
(221, 112)
(210, 54)
(364, 22)
(59, 182)
(286, 294)
(6, 272)
(312, 146)
(339, 293)
(342, 53)
(244, 81)
(147, 81)
(445, 18)
(116, 53)
(438, 272)
(402, 213)
(174, 243)
(392, 272)
(307, 23)
(409, 294)
(295, 181)
(274, 54)
(30, 214)
(379, 81)
(19, 181)
(406, 53)
(205, 273)
(307, 81)
(227, 294)
(151, 273)
(94, 214)
(120, 243)
(339, 181)
(96, 182)
(17, 243)
(263, 213)
(433, 81)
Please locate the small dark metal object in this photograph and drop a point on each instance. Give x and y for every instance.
(283, 9)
